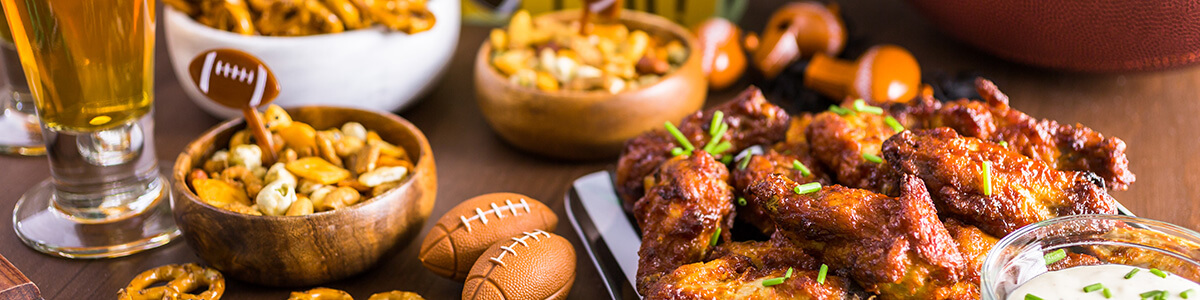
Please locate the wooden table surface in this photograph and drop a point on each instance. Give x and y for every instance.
(1154, 112)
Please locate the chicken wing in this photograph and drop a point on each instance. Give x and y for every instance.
(688, 205)
(1063, 147)
(895, 247)
(842, 144)
(759, 167)
(974, 245)
(1015, 190)
(751, 120)
(738, 269)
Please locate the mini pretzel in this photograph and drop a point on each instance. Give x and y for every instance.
(180, 279)
(320, 293)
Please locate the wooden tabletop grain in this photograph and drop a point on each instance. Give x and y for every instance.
(1154, 112)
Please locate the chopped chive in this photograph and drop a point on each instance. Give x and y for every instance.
(987, 178)
(788, 274)
(773, 281)
(726, 159)
(1186, 294)
(862, 106)
(821, 274)
(841, 111)
(1055, 256)
(804, 171)
(893, 123)
(1032, 297)
(716, 236)
(872, 158)
(1149, 294)
(1158, 273)
(1131, 272)
(1107, 293)
(718, 118)
(676, 151)
(1093, 287)
(742, 201)
(712, 142)
(722, 147)
(745, 162)
(683, 141)
(807, 188)
(1004, 144)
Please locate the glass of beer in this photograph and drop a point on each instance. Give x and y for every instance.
(89, 65)
(19, 131)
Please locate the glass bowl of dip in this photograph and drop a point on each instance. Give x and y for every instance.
(1089, 256)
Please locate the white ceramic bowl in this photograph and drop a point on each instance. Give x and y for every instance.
(372, 68)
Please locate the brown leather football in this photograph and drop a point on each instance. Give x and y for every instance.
(1075, 35)
(463, 233)
(532, 265)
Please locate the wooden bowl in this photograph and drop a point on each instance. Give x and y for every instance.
(589, 124)
(311, 249)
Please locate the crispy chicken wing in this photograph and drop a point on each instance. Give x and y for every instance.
(895, 247)
(688, 203)
(751, 120)
(737, 271)
(759, 167)
(1022, 190)
(842, 142)
(974, 245)
(1064, 147)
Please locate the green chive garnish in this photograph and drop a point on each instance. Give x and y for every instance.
(741, 201)
(1151, 294)
(872, 158)
(788, 274)
(862, 106)
(807, 188)
(1032, 297)
(1055, 256)
(1158, 273)
(804, 171)
(1131, 272)
(726, 159)
(1107, 294)
(893, 123)
(722, 147)
(773, 281)
(1004, 144)
(987, 178)
(683, 141)
(716, 235)
(1093, 287)
(821, 274)
(676, 151)
(1186, 294)
(841, 111)
(712, 142)
(745, 162)
(718, 118)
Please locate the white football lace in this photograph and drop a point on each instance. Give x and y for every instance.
(481, 215)
(499, 260)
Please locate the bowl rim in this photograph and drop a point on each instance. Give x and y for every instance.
(987, 281)
(191, 25)
(422, 143)
(627, 16)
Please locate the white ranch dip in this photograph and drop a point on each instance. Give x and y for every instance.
(1070, 283)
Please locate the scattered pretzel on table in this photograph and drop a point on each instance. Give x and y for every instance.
(307, 17)
(179, 279)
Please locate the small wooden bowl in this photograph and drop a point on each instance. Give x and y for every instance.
(311, 249)
(589, 124)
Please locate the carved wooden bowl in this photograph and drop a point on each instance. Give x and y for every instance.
(311, 249)
(590, 124)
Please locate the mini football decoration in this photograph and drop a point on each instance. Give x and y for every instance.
(238, 80)
(463, 233)
(532, 265)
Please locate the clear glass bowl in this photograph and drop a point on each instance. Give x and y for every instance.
(1111, 239)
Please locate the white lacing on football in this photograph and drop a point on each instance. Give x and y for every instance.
(481, 215)
(499, 260)
(235, 72)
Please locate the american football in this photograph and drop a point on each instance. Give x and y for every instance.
(233, 77)
(532, 265)
(464, 232)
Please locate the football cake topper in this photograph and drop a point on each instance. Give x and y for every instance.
(236, 79)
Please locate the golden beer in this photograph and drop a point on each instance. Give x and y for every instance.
(89, 62)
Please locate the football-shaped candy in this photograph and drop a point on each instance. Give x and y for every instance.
(532, 265)
(233, 78)
(463, 233)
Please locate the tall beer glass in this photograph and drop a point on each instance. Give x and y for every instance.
(19, 131)
(89, 64)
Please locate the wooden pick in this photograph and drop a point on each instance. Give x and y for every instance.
(609, 10)
(238, 80)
